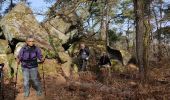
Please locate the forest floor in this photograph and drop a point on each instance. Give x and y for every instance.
(121, 86)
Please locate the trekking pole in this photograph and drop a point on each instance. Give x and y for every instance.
(43, 78)
(2, 80)
(16, 78)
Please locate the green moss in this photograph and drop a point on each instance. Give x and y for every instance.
(11, 65)
(117, 66)
(75, 68)
(49, 54)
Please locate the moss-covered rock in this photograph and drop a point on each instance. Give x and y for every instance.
(117, 66)
(66, 67)
(74, 48)
(4, 47)
(75, 68)
(50, 67)
(60, 26)
(20, 22)
(64, 57)
(67, 63)
(10, 64)
(126, 56)
(18, 48)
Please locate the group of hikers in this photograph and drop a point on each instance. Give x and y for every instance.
(30, 54)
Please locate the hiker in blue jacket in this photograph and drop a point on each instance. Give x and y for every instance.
(28, 56)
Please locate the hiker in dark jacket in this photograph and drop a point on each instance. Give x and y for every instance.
(28, 56)
(84, 56)
(105, 66)
(104, 60)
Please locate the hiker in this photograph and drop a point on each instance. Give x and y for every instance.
(1, 69)
(104, 60)
(104, 65)
(1, 82)
(84, 57)
(28, 56)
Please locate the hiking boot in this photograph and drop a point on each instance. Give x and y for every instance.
(39, 93)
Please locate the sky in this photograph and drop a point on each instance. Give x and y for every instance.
(36, 5)
(41, 7)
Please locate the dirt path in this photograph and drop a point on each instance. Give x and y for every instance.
(32, 96)
(51, 87)
(126, 88)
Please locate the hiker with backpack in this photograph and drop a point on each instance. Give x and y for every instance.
(105, 65)
(84, 54)
(104, 60)
(28, 56)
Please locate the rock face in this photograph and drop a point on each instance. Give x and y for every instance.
(20, 22)
(66, 66)
(156, 54)
(9, 61)
(117, 66)
(63, 26)
(122, 46)
(4, 47)
(18, 48)
(126, 56)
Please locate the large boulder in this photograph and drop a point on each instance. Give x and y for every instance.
(66, 66)
(126, 56)
(63, 26)
(20, 22)
(121, 44)
(50, 67)
(74, 48)
(123, 47)
(18, 48)
(10, 64)
(117, 66)
(64, 57)
(156, 53)
(4, 47)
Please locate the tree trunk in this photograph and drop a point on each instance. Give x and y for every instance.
(139, 13)
(103, 30)
(127, 34)
(147, 25)
(103, 26)
(107, 23)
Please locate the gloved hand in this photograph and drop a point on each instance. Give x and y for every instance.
(87, 58)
